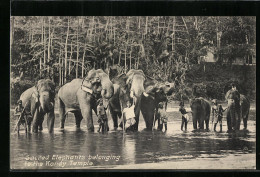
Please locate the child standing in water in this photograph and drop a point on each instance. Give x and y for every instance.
(101, 113)
(128, 116)
(162, 117)
(217, 114)
(184, 117)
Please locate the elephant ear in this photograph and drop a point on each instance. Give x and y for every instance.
(91, 78)
(150, 82)
(121, 80)
(35, 95)
(130, 74)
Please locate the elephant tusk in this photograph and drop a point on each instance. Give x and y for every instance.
(145, 94)
(132, 94)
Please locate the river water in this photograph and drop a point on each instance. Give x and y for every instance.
(174, 149)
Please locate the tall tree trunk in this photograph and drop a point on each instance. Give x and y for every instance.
(44, 46)
(114, 33)
(130, 58)
(158, 27)
(77, 64)
(83, 62)
(60, 67)
(66, 52)
(42, 40)
(70, 57)
(146, 25)
(119, 59)
(62, 71)
(125, 59)
(49, 45)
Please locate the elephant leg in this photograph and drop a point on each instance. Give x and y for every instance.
(18, 127)
(35, 122)
(114, 118)
(245, 120)
(61, 113)
(229, 121)
(238, 122)
(233, 118)
(86, 112)
(135, 126)
(207, 124)
(29, 126)
(182, 123)
(50, 121)
(137, 114)
(78, 118)
(40, 124)
(194, 124)
(245, 123)
(201, 124)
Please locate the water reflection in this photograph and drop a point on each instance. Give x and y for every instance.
(133, 148)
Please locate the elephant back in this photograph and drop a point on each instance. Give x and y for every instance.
(26, 96)
(70, 88)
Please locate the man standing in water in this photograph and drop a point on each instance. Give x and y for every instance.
(217, 114)
(102, 117)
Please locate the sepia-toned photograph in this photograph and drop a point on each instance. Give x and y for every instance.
(132, 92)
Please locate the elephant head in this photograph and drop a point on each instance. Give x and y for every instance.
(233, 98)
(196, 108)
(43, 103)
(233, 109)
(44, 94)
(200, 112)
(131, 84)
(155, 93)
(98, 83)
(158, 90)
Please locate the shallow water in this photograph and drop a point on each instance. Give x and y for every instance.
(117, 149)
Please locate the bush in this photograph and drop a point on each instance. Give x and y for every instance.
(17, 88)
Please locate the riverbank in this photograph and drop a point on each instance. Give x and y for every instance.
(238, 161)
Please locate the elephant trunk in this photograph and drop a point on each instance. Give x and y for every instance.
(45, 101)
(137, 86)
(107, 87)
(234, 110)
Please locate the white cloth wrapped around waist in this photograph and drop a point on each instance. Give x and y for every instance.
(129, 112)
(186, 116)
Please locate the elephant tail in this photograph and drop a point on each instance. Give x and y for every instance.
(61, 108)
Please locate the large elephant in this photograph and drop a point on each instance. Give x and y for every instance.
(126, 87)
(80, 97)
(156, 93)
(200, 108)
(238, 105)
(39, 100)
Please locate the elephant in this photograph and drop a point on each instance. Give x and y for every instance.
(238, 106)
(126, 87)
(200, 108)
(245, 107)
(39, 101)
(80, 97)
(156, 93)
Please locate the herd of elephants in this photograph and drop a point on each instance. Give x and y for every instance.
(80, 97)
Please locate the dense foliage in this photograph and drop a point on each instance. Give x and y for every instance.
(166, 48)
